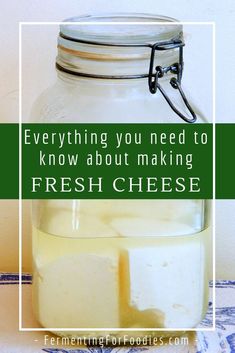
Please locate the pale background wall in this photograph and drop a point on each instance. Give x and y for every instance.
(13, 11)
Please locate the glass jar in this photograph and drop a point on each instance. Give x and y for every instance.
(119, 264)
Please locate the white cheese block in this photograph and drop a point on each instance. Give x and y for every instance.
(166, 280)
(64, 223)
(137, 227)
(79, 291)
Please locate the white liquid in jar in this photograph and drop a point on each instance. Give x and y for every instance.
(114, 268)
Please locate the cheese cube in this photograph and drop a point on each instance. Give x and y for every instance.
(138, 227)
(79, 291)
(167, 281)
(64, 223)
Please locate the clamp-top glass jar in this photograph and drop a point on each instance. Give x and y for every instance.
(119, 263)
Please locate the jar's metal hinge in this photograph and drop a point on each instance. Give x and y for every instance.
(177, 69)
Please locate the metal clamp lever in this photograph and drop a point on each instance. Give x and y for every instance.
(177, 69)
(175, 84)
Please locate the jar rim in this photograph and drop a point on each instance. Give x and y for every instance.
(124, 28)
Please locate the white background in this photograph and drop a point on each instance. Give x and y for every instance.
(13, 11)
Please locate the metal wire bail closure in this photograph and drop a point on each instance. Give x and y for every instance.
(177, 69)
(153, 75)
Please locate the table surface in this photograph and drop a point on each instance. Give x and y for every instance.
(222, 340)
